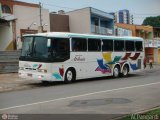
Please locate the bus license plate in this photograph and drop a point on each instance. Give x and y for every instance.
(30, 75)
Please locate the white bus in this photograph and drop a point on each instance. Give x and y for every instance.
(68, 56)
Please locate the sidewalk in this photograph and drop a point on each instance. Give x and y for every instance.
(155, 67)
(11, 82)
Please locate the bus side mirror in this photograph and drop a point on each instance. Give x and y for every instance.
(49, 43)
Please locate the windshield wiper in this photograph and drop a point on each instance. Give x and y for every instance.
(29, 51)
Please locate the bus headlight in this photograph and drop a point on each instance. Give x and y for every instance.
(21, 68)
(40, 76)
(42, 70)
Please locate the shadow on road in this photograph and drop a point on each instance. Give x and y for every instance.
(48, 84)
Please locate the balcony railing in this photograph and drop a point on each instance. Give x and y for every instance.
(101, 30)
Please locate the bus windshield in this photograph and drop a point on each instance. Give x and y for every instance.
(37, 49)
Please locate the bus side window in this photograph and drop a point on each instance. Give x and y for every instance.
(94, 45)
(107, 45)
(79, 44)
(129, 45)
(119, 45)
(139, 46)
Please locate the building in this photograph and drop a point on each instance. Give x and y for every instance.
(156, 31)
(145, 32)
(18, 18)
(91, 20)
(59, 22)
(7, 23)
(86, 20)
(148, 33)
(122, 31)
(123, 16)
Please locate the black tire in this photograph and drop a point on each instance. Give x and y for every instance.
(125, 71)
(116, 72)
(70, 76)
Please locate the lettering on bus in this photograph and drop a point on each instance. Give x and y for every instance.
(79, 58)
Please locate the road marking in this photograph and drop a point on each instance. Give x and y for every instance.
(82, 95)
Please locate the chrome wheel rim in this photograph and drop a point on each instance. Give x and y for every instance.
(125, 71)
(116, 72)
(69, 75)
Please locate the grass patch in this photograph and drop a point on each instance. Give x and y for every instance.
(150, 115)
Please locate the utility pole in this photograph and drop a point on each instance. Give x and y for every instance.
(40, 16)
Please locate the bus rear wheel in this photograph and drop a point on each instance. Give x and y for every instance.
(116, 72)
(70, 76)
(125, 71)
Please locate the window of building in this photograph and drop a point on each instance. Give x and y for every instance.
(94, 44)
(119, 45)
(107, 45)
(139, 46)
(79, 44)
(6, 9)
(129, 45)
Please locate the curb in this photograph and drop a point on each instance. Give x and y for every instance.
(139, 112)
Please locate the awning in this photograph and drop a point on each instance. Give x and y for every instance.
(8, 17)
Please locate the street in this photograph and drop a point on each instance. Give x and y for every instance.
(138, 92)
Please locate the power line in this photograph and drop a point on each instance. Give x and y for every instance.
(58, 6)
(40, 11)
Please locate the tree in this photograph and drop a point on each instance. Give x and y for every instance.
(152, 21)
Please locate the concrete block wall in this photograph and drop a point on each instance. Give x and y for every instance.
(9, 61)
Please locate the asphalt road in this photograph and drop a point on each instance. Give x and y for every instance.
(105, 96)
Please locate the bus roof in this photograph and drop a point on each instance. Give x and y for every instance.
(68, 35)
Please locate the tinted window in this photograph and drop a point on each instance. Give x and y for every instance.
(6, 9)
(118, 45)
(40, 47)
(27, 46)
(129, 45)
(94, 45)
(139, 46)
(107, 45)
(60, 48)
(79, 44)
(60, 44)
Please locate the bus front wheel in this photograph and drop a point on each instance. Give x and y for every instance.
(116, 72)
(70, 76)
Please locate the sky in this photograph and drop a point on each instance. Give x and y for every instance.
(140, 9)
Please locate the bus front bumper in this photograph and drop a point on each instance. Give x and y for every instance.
(35, 76)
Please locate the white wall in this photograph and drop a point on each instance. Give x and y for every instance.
(26, 16)
(6, 36)
(79, 21)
